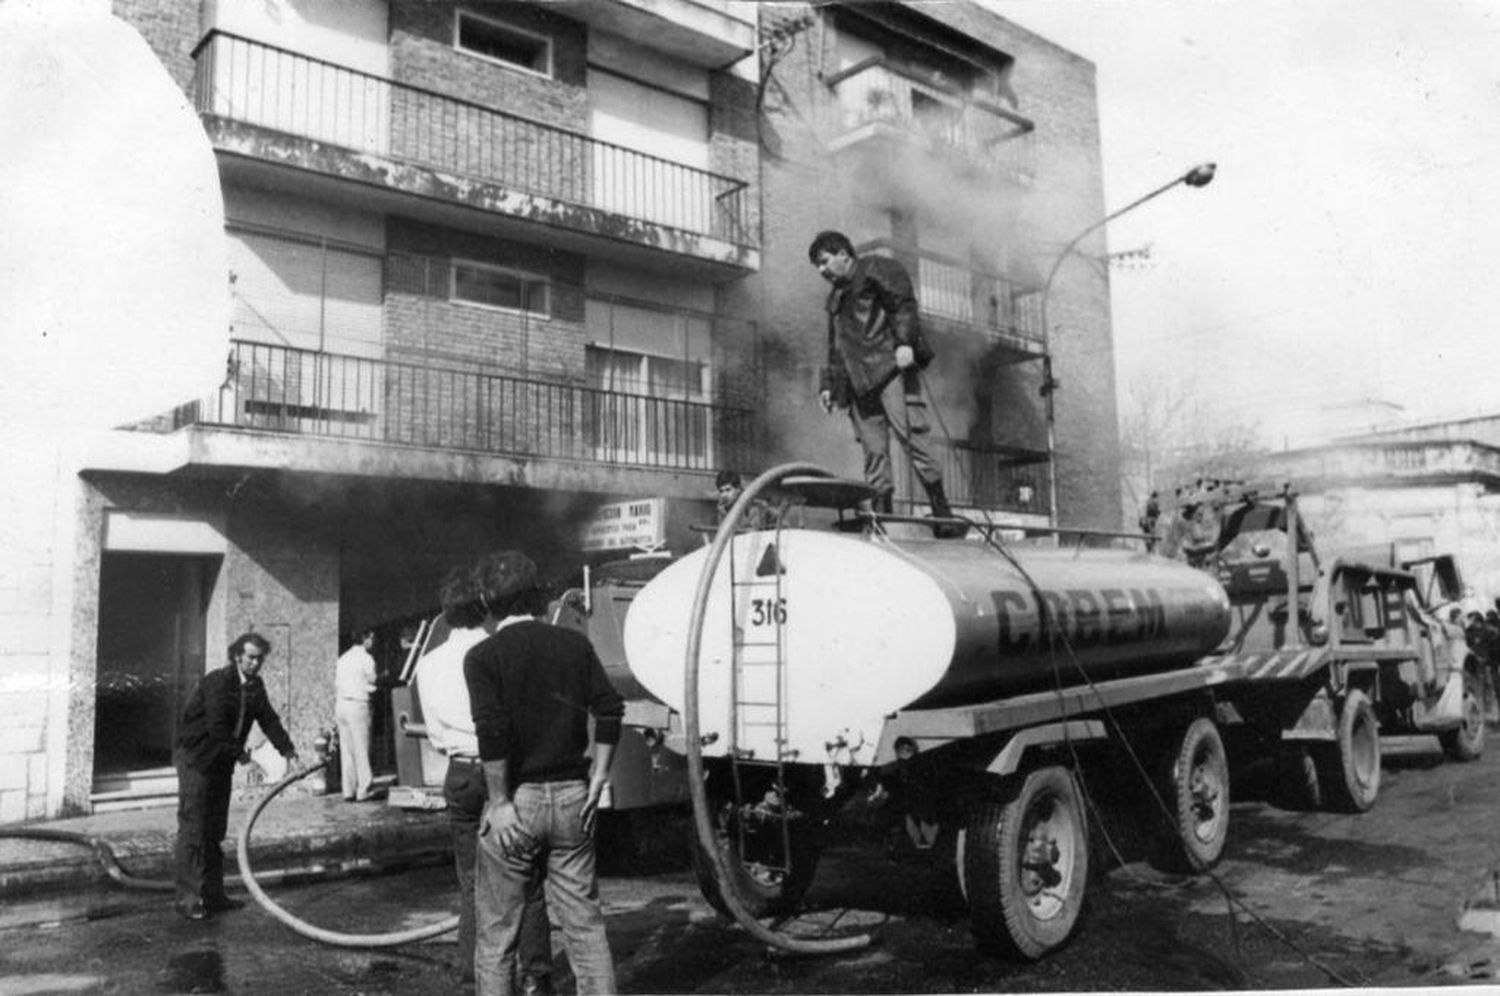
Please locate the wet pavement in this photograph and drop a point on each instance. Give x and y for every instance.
(1301, 900)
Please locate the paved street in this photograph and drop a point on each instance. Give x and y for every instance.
(1328, 900)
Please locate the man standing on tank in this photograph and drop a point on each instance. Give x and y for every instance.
(876, 353)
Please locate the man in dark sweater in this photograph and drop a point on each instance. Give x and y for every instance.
(532, 688)
(210, 739)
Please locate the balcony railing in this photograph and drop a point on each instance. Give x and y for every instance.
(306, 392)
(951, 291)
(274, 88)
(983, 477)
(980, 130)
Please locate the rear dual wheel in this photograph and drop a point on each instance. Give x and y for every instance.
(1023, 863)
(1195, 788)
(765, 876)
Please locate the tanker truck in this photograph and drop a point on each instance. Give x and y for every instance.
(805, 664)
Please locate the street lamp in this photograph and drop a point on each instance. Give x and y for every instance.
(1199, 176)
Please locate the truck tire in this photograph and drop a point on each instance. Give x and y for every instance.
(765, 882)
(1195, 786)
(1466, 741)
(1023, 862)
(1349, 768)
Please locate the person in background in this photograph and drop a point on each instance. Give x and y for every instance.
(728, 487)
(354, 684)
(441, 689)
(532, 688)
(210, 739)
(876, 353)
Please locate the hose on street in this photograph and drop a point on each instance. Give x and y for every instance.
(311, 931)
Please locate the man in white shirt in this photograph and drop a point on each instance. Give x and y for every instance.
(354, 683)
(444, 697)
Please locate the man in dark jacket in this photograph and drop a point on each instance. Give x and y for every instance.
(210, 739)
(876, 353)
(532, 689)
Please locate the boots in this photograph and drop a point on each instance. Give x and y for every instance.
(941, 510)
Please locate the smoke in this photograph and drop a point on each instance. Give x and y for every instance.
(983, 217)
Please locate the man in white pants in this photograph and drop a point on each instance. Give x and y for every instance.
(354, 683)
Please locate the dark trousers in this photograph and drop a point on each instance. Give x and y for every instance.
(202, 821)
(897, 408)
(465, 792)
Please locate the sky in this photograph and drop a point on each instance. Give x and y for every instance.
(1349, 246)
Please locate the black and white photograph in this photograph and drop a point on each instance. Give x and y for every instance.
(556, 497)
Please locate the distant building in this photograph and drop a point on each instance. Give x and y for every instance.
(1416, 490)
(496, 265)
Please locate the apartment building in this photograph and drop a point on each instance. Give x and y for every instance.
(495, 265)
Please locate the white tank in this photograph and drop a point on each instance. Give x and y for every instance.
(838, 632)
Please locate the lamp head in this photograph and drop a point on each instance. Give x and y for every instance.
(1200, 175)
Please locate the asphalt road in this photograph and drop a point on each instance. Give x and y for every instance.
(1301, 900)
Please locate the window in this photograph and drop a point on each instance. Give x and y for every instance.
(651, 409)
(502, 43)
(493, 287)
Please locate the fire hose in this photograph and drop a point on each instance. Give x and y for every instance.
(308, 930)
(247, 877)
(706, 837)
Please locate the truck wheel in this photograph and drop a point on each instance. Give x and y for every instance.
(1195, 786)
(765, 881)
(1023, 861)
(1349, 769)
(1466, 741)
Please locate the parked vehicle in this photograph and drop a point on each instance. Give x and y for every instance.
(810, 664)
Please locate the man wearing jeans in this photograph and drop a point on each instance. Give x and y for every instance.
(532, 688)
(450, 728)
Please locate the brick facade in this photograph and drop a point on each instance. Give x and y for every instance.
(172, 28)
(308, 555)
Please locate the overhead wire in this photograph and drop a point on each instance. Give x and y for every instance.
(1055, 635)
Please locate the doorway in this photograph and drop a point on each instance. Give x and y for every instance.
(151, 653)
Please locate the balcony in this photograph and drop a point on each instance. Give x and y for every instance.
(356, 127)
(709, 33)
(968, 301)
(993, 478)
(878, 100)
(302, 392)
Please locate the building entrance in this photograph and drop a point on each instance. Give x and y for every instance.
(151, 653)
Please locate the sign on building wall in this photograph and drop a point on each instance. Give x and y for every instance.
(627, 525)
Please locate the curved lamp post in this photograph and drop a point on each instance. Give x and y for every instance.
(1199, 176)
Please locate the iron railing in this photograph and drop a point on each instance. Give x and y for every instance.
(286, 390)
(980, 130)
(965, 295)
(243, 80)
(977, 476)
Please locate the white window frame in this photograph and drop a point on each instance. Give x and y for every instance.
(524, 276)
(546, 42)
(642, 451)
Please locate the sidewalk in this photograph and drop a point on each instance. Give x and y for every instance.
(294, 834)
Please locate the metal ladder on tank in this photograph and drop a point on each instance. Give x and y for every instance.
(755, 657)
